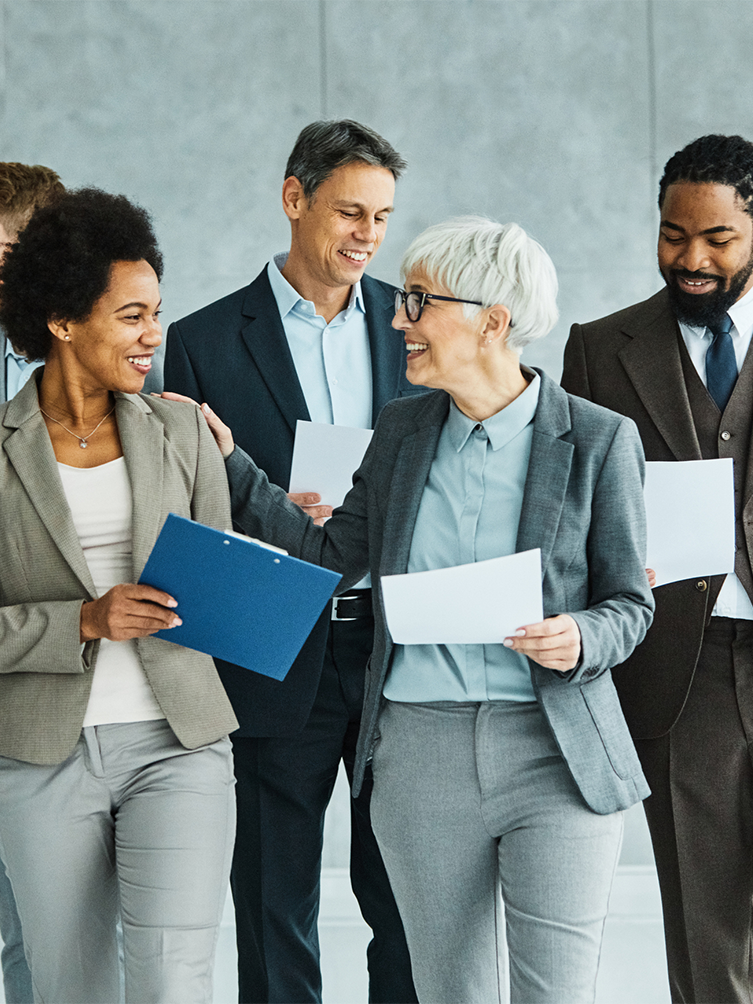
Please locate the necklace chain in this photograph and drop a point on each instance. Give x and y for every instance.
(82, 440)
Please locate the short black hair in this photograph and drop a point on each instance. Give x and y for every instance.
(324, 146)
(61, 264)
(720, 160)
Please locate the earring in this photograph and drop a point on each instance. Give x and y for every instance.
(66, 338)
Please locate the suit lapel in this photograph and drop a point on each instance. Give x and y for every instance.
(385, 344)
(143, 442)
(30, 451)
(548, 473)
(406, 487)
(264, 337)
(652, 362)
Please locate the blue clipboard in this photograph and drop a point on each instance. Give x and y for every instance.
(238, 601)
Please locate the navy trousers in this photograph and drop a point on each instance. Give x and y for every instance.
(283, 788)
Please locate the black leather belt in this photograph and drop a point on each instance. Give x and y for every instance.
(351, 606)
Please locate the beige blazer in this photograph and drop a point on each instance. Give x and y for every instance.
(45, 675)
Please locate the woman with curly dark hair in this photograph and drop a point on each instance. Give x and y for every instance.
(116, 779)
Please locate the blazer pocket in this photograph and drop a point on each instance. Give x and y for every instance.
(604, 707)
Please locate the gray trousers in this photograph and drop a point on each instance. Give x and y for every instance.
(134, 825)
(471, 799)
(16, 975)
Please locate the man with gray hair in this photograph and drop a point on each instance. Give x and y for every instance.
(309, 339)
(23, 188)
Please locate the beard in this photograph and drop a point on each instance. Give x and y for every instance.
(705, 310)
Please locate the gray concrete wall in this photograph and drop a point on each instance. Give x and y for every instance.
(558, 114)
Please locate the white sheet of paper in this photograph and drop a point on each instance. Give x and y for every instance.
(325, 457)
(480, 603)
(690, 508)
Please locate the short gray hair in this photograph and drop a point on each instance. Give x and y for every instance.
(478, 259)
(324, 146)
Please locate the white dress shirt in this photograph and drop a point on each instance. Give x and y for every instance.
(732, 601)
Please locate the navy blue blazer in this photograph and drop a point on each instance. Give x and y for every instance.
(234, 355)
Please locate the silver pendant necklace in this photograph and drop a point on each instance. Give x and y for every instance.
(83, 441)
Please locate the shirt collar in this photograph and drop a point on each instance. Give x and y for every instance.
(10, 353)
(289, 298)
(741, 313)
(503, 427)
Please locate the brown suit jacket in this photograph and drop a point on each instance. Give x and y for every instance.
(630, 362)
(45, 677)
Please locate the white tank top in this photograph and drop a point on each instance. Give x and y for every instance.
(101, 505)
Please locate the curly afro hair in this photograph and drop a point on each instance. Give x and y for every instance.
(721, 160)
(61, 264)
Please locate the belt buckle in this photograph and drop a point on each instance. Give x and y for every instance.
(336, 600)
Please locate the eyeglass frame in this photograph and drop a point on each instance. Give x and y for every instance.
(401, 299)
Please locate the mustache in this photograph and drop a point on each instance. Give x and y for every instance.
(682, 273)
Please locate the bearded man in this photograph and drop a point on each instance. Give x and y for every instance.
(679, 365)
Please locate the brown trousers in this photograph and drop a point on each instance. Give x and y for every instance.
(701, 818)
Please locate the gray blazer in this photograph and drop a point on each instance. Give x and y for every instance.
(45, 676)
(582, 505)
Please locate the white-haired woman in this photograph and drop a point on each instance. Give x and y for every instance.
(496, 767)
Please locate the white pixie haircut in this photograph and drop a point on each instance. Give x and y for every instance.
(478, 259)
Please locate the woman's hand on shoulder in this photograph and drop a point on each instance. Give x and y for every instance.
(222, 434)
(553, 643)
(128, 611)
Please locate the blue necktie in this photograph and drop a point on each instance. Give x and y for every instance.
(721, 367)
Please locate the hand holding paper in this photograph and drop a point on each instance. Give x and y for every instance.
(553, 643)
(309, 502)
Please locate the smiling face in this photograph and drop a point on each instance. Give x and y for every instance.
(444, 348)
(336, 233)
(113, 347)
(705, 250)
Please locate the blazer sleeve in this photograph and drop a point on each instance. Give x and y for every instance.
(575, 366)
(621, 603)
(43, 638)
(263, 510)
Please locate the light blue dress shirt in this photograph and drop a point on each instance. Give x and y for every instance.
(17, 370)
(333, 361)
(470, 511)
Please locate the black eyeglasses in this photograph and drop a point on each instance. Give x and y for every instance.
(414, 302)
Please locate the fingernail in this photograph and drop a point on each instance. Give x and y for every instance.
(520, 633)
(176, 622)
(172, 603)
(206, 409)
(507, 642)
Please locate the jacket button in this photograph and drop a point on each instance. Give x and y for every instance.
(726, 435)
(701, 585)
